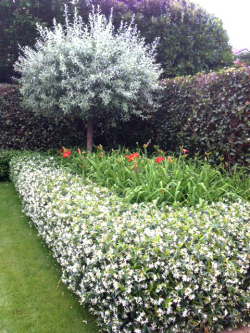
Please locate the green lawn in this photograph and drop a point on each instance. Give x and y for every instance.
(31, 300)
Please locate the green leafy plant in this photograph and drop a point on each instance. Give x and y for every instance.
(18, 27)
(161, 179)
(21, 128)
(191, 39)
(90, 70)
(207, 113)
(5, 157)
(141, 269)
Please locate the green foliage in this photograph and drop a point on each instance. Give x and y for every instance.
(5, 157)
(191, 40)
(18, 27)
(139, 268)
(23, 129)
(173, 181)
(207, 113)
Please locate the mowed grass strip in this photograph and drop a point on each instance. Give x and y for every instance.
(31, 297)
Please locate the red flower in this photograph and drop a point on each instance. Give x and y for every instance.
(185, 151)
(159, 159)
(132, 157)
(66, 153)
(61, 150)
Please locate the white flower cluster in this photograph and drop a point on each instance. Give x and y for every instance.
(141, 269)
(89, 68)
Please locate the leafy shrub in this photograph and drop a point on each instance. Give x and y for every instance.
(207, 113)
(22, 129)
(5, 157)
(18, 27)
(191, 39)
(141, 269)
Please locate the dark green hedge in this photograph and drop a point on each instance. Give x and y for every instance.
(207, 113)
(22, 129)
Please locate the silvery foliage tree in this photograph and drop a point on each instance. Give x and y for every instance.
(89, 70)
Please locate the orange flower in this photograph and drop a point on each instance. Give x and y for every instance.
(132, 157)
(159, 159)
(170, 159)
(79, 151)
(66, 153)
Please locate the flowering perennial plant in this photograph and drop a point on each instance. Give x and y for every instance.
(159, 159)
(139, 268)
(64, 152)
(132, 157)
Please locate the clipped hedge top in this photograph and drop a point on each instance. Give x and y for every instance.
(141, 269)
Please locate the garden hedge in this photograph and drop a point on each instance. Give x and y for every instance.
(140, 269)
(207, 114)
(22, 129)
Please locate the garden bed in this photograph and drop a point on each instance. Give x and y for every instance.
(138, 267)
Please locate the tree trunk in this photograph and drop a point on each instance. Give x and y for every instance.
(90, 134)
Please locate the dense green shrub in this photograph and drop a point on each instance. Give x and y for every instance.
(22, 129)
(18, 27)
(207, 113)
(5, 157)
(191, 39)
(138, 268)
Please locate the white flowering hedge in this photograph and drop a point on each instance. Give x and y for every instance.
(138, 268)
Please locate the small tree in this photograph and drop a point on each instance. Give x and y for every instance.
(89, 70)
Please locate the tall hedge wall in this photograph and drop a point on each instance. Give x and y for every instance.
(204, 113)
(207, 113)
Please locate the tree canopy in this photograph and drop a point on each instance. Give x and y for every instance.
(90, 70)
(191, 39)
